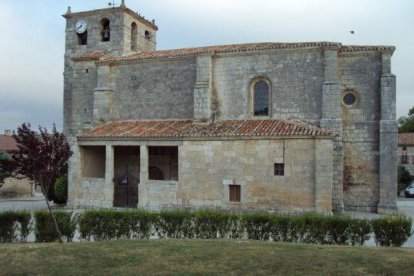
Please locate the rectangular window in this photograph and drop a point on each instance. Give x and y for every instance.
(234, 193)
(279, 168)
(163, 163)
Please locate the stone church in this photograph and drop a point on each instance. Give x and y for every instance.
(282, 127)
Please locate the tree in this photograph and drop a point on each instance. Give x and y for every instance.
(5, 166)
(42, 157)
(406, 123)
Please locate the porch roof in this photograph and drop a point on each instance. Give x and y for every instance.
(189, 129)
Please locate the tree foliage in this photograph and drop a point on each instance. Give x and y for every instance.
(41, 157)
(5, 166)
(406, 123)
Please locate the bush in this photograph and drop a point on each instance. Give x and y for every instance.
(13, 222)
(257, 225)
(213, 224)
(111, 224)
(45, 229)
(391, 231)
(61, 190)
(175, 224)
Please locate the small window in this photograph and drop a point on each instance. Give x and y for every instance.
(261, 98)
(83, 38)
(349, 98)
(105, 32)
(404, 148)
(279, 169)
(234, 193)
(134, 36)
(148, 35)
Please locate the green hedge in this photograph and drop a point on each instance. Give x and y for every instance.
(217, 224)
(392, 231)
(45, 229)
(110, 224)
(12, 223)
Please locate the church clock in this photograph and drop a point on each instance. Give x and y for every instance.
(80, 26)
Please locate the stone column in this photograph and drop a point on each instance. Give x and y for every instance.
(388, 137)
(323, 175)
(143, 196)
(109, 177)
(74, 171)
(331, 118)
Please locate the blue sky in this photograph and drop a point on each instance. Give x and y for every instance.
(32, 39)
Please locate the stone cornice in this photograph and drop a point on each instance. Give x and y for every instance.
(110, 11)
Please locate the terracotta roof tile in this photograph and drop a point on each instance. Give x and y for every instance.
(96, 55)
(406, 139)
(209, 50)
(7, 143)
(215, 49)
(182, 129)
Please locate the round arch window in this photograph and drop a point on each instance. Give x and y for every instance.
(261, 98)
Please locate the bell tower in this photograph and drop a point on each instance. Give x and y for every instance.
(115, 30)
(91, 36)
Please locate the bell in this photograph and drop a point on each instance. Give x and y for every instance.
(106, 34)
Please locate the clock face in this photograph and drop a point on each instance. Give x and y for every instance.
(80, 26)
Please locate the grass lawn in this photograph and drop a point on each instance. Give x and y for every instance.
(201, 257)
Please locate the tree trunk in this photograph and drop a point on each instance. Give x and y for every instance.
(50, 211)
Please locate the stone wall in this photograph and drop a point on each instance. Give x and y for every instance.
(154, 90)
(295, 76)
(204, 182)
(360, 75)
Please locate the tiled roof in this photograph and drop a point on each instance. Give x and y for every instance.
(216, 49)
(210, 50)
(359, 48)
(406, 139)
(7, 143)
(90, 56)
(181, 129)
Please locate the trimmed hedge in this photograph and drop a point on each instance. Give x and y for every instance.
(392, 231)
(113, 225)
(45, 229)
(13, 222)
(110, 224)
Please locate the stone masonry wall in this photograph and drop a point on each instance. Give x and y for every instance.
(155, 90)
(361, 75)
(78, 96)
(203, 180)
(296, 77)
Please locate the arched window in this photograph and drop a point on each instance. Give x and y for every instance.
(105, 31)
(134, 36)
(83, 38)
(148, 35)
(261, 97)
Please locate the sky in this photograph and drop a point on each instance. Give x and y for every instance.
(32, 34)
